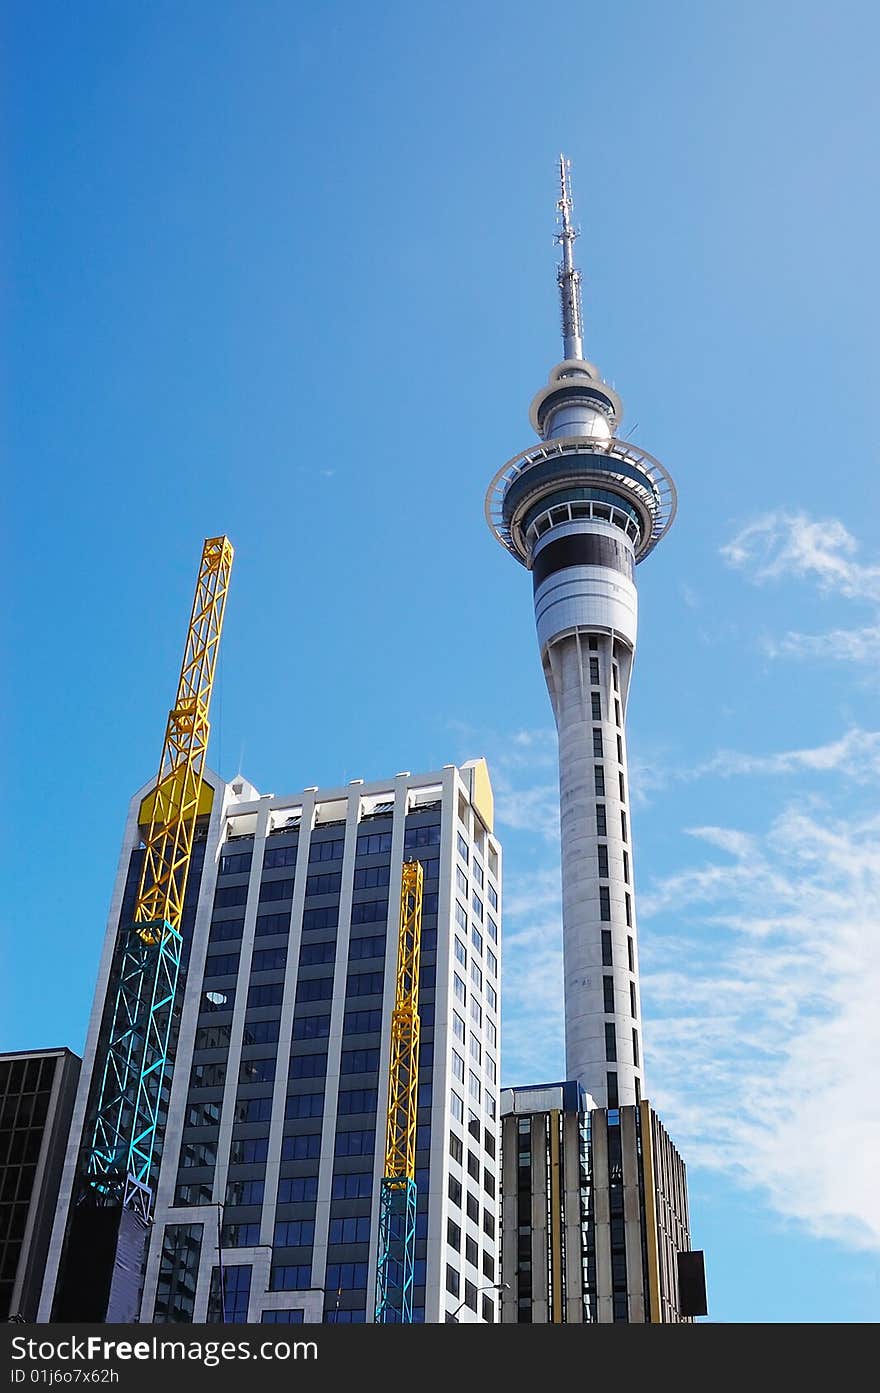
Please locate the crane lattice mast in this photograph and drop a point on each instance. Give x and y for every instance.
(397, 1203)
(121, 1142)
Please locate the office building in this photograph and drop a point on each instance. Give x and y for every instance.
(37, 1089)
(266, 1194)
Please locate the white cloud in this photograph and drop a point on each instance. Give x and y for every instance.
(791, 544)
(780, 544)
(855, 755)
(762, 1026)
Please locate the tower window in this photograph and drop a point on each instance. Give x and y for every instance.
(600, 780)
(610, 1041)
(617, 711)
(608, 991)
(619, 750)
(626, 866)
(607, 952)
(596, 703)
(594, 671)
(601, 820)
(630, 952)
(638, 1088)
(623, 825)
(602, 851)
(622, 787)
(611, 1087)
(604, 903)
(597, 743)
(632, 1001)
(629, 913)
(616, 675)
(594, 645)
(636, 1048)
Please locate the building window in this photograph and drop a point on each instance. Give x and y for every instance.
(626, 866)
(491, 1032)
(622, 787)
(599, 779)
(476, 1012)
(601, 820)
(491, 962)
(617, 711)
(453, 1235)
(602, 853)
(474, 1086)
(257, 1070)
(623, 832)
(459, 988)
(594, 671)
(632, 1001)
(326, 851)
(314, 989)
(608, 991)
(456, 1107)
(596, 704)
(597, 743)
(359, 1061)
(297, 1189)
(460, 952)
(307, 1066)
(611, 1086)
(226, 929)
(228, 896)
(476, 976)
(638, 1088)
(369, 877)
(353, 1229)
(458, 1066)
(610, 1041)
(364, 984)
(491, 997)
(453, 1281)
(327, 917)
(456, 1148)
(221, 965)
(607, 951)
(229, 1303)
(268, 959)
(635, 1048)
(261, 1032)
(461, 918)
(291, 1277)
(272, 924)
(493, 896)
(604, 902)
(372, 946)
(462, 848)
(593, 645)
(615, 674)
(454, 1191)
(461, 881)
(476, 938)
(458, 1027)
(279, 856)
(476, 1050)
(302, 1148)
(310, 1027)
(492, 927)
(311, 954)
(236, 865)
(304, 1105)
(178, 1272)
(629, 912)
(422, 836)
(619, 750)
(630, 952)
(472, 1207)
(294, 1233)
(291, 1316)
(327, 883)
(265, 994)
(372, 843)
(477, 904)
(356, 1185)
(369, 912)
(248, 1151)
(356, 1143)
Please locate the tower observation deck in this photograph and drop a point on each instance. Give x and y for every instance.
(580, 510)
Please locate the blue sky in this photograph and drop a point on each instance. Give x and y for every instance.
(288, 272)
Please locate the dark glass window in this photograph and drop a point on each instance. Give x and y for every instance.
(294, 1233)
(368, 877)
(373, 911)
(345, 1276)
(635, 1047)
(327, 883)
(272, 924)
(359, 1061)
(630, 953)
(597, 742)
(228, 896)
(604, 902)
(276, 856)
(178, 1272)
(326, 851)
(247, 1151)
(304, 1105)
(610, 1041)
(611, 1084)
(225, 929)
(257, 1070)
(322, 952)
(352, 1186)
(276, 890)
(373, 843)
(594, 671)
(353, 1229)
(357, 1100)
(364, 984)
(314, 989)
(311, 1027)
(602, 851)
(291, 1277)
(632, 1001)
(301, 1148)
(373, 946)
(240, 1235)
(422, 836)
(291, 1316)
(221, 964)
(295, 1189)
(326, 917)
(361, 1022)
(608, 990)
(237, 864)
(596, 704)
(261, 1032)
(266, 994)
(307, 1066)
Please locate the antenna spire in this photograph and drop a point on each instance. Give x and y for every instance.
(567, 276)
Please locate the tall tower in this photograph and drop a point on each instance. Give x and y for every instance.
(580, 510)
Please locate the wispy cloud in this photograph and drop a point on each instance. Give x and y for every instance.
(781, 544)
(762, 1023)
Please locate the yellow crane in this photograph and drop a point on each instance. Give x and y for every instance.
(126, 1112)
(397, 1203)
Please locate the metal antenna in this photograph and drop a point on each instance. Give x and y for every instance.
(567, 276)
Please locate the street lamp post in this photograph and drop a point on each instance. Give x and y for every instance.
(491, 1286)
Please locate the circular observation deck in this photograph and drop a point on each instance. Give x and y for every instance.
(578, 478)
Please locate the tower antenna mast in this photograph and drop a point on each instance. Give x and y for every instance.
(568, 276)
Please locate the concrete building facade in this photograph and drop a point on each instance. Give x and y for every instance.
(266, 1198)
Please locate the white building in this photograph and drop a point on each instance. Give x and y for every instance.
(275, 1132)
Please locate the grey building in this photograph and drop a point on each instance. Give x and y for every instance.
(37, 1089)
(595, 1211)
(266, 1197)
